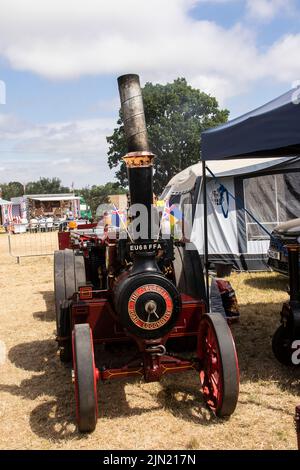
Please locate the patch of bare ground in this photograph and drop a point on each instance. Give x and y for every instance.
(36, 394)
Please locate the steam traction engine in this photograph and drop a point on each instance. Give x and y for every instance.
(147, 294)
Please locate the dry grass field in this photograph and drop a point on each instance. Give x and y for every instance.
(36, 394)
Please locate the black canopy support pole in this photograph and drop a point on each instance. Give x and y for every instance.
(206, 262)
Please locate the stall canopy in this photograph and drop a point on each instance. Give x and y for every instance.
(5, 211)
(269, 131)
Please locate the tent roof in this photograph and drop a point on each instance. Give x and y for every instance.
(3, 202)
(268, 131)
(52, 197)
(185, 180)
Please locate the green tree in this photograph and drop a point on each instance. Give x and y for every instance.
(46, 186)
(96, 195)
(12, 189)
(176, 114)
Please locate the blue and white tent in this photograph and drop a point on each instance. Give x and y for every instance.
(255, 158)
(268, 188)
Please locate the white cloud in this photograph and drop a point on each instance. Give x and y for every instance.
(283, 56)
(268, 9)
(75, 150)
(159, 40)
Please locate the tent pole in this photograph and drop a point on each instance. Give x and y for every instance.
(206, 262)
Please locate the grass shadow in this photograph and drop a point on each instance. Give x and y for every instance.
(253, 339)
(278, 283)
(55, 419)
(185, 401)
(52, 420)
(47, 315)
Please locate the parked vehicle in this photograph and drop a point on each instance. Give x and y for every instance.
(143, 298)
(284, 234)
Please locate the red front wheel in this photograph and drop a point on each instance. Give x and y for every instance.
(219, 370)
(85, 378)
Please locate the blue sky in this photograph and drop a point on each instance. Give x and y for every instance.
(60, 60)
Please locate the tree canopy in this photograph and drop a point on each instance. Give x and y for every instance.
(96, 195)
(46, 186)
(176, 114)
(12, 189)
(42, 186)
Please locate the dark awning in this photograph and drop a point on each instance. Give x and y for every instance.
(269, 131)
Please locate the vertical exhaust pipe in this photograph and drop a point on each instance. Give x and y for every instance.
(133, 113)
(146, 301)
(139, 159)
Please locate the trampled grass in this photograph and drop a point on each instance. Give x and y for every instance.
(36, 394)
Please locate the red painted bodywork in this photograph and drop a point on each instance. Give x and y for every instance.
(63, 240)
(101, 317)
(99, 313)
(64, 237)
(148, 361)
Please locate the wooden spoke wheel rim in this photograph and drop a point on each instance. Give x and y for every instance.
(85, 378)
(219, 374)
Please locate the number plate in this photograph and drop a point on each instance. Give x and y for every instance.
(145, 247)
(274, 254)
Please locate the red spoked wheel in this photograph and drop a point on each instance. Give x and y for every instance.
(219, 370)
(85, 377)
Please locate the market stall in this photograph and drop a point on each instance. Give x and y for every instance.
(5, 214)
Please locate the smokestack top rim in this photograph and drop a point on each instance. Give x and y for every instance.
(139, 159)
(127, 77)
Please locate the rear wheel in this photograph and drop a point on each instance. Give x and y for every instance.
(70, 282)
(219, 371)
(59, 285)
(282, 345)
(65, 343)
(69, 274)
(85, 378)
(80, 275)
(188, 271)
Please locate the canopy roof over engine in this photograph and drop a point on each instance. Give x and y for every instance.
(269, 131)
